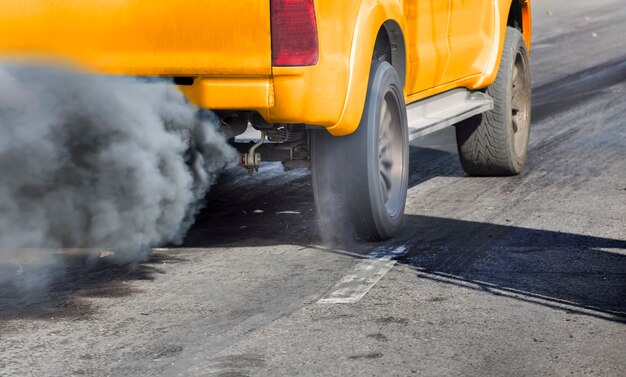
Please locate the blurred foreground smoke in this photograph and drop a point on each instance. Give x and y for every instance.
(97, 162)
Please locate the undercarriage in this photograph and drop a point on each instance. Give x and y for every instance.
(258, 141)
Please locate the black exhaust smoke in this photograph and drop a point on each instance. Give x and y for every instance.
(102, 163)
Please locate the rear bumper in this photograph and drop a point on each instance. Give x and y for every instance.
(292, 95)
(216, 93)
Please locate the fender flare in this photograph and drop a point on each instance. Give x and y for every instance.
(371, 16)
(502, 9)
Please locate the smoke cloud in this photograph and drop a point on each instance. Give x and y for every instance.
(100, 162)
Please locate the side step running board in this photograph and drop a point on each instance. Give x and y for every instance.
(433, 114)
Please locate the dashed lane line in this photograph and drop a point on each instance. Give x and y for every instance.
(353, 287)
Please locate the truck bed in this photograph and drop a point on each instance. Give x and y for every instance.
(142, 37)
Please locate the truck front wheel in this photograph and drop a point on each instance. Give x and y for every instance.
(496, 143)
(360, 180)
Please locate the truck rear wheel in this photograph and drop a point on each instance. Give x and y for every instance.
(360, 180)
(496, 143)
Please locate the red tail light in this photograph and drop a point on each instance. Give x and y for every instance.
(294, 33)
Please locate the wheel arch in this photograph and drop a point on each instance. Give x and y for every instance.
(520, 18)
(376, 21)
(508, 13)
(390, 47)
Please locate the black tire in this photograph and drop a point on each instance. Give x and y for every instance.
(496, 143)
(353, 198)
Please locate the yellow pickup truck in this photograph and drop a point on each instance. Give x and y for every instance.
(341, 87)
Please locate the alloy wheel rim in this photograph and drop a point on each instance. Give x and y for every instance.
(390, 154)
(520, 105)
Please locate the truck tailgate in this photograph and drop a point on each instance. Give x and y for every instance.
(142, 37)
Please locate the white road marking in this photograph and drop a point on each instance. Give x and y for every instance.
(353, 287)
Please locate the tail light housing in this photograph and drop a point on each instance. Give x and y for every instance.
(294, 33)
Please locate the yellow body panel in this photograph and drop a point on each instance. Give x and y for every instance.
(470, 43)
(226, 47)
(427, 31)
(142, 37)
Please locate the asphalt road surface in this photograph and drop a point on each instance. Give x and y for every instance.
(521, 276)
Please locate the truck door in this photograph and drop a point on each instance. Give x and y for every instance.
(428, 44)
(470, 36)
